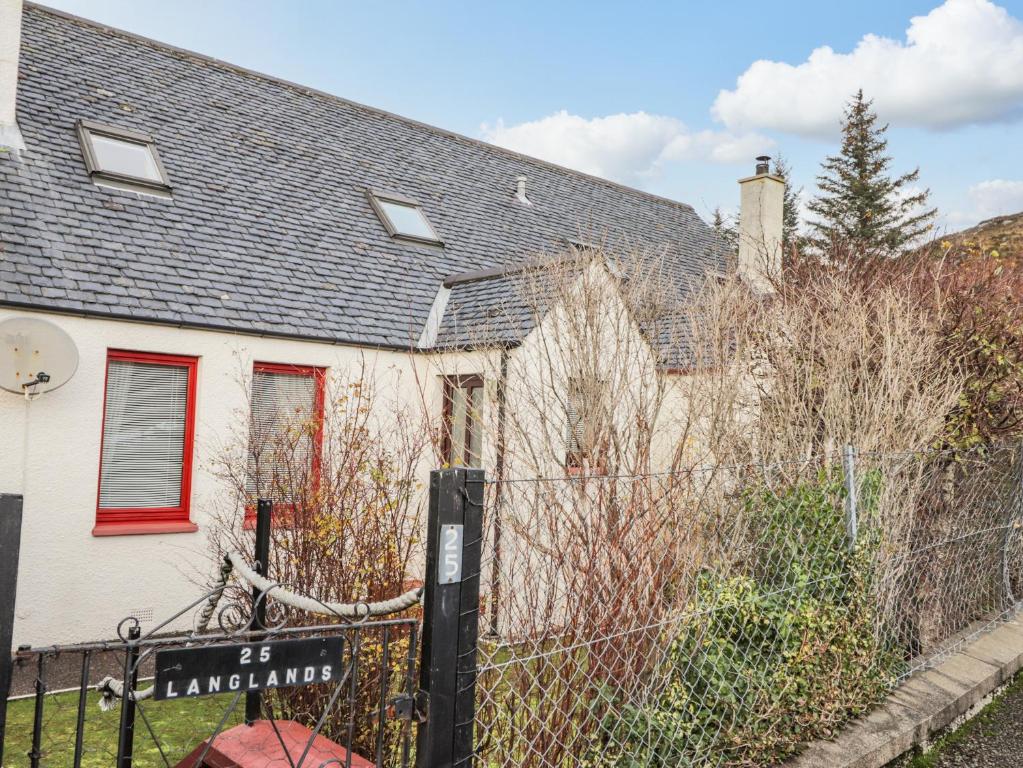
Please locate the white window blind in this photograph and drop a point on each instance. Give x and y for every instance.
(281, 433)
(143, 435)
(575, 432)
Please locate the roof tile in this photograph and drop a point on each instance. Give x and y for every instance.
(269, 202)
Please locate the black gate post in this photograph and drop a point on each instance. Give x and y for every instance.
(10, 548)
(126, 730)
(451, 618)
(264, 511)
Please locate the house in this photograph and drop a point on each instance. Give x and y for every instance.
(182, 219)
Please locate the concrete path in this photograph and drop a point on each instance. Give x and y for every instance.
(926, 705)
(993, 739)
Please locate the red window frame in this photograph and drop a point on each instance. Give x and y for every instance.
(319, 395)
(451, 383)
(121, 521)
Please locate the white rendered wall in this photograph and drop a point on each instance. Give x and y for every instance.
(74, 586)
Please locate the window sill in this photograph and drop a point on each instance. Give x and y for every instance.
(142, 528)
(585, 469)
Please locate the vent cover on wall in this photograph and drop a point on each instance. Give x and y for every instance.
(144, 615)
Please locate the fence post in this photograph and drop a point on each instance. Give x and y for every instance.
(264, 512)
(126, 730)
(849, 468)
(1015, 521)
(451, 618)
(10, 548)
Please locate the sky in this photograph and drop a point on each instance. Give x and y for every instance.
(676, 98)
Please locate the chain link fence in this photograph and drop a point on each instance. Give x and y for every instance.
(725, 615)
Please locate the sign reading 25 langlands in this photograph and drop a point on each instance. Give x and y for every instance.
(182, 672)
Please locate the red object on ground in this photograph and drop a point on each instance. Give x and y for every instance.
(258, 746)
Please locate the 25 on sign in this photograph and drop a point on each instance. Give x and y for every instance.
(183, 672)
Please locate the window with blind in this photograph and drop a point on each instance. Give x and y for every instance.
(583, 408)
(285, 431)
(575, 427)
(463, 423)
(146, 453)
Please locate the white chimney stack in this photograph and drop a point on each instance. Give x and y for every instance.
(10, 47)
(761, 199)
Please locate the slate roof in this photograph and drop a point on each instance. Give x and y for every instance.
(269, 228)
(493, 310)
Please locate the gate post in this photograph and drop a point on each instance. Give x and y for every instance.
(126, 730)
(10, 547)
(451, 618)
(264, 512)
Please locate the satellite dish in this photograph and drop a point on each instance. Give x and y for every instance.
(36, 356)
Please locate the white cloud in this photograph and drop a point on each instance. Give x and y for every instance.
(996, 197)
(985, 200)
(961, 63)
(623, 147)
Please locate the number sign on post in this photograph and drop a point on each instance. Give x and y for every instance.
(450, 571)
(185, 672)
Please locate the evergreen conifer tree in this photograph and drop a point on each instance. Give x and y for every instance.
(725, 226)
(790, 207)
(860, 207)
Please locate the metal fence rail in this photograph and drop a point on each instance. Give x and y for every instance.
(719, 616)
(723, 616)
(64, 721)
(317, 685)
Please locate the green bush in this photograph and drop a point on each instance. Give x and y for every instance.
(780, 651)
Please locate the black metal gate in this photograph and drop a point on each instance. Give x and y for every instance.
(359, 717)
(280, 679)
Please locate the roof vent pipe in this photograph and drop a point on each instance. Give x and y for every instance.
(520, 190)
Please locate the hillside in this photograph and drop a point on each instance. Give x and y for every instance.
(1002, 233)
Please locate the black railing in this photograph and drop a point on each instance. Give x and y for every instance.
(95, 704)
(64, 725)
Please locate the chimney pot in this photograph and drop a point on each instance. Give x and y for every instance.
(763, 164)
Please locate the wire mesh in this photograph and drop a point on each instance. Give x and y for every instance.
(726, 615)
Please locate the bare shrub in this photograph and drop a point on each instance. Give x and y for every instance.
(632, 414)
(347, 528)
(593, 533)
(832, 364)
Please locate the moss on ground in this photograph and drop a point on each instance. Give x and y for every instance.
(980, 725)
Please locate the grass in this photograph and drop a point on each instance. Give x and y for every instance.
(981, 723)
(180, 726)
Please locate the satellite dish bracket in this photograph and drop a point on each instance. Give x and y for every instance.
(41, 378)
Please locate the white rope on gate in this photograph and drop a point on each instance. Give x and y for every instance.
(110, 688)
(312, 605)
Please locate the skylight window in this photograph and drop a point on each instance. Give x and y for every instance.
(403, 218)
(122, 156)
